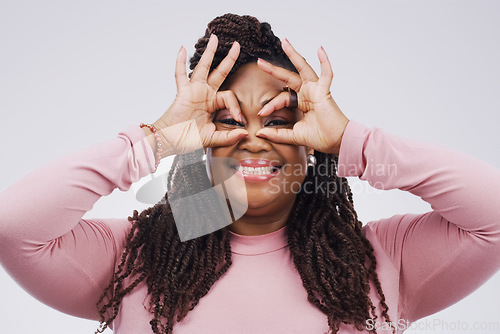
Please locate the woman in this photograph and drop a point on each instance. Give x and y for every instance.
(297, 261)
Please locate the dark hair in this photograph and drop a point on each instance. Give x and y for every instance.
(334, 259)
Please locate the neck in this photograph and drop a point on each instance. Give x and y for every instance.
(258, 225)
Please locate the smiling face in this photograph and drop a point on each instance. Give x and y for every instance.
(272, 172)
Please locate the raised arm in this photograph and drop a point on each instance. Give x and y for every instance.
(442, 255)
(59, 258)
(66, 261)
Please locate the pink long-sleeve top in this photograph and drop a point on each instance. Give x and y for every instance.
(426, 262)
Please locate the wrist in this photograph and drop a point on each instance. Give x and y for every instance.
(341, 129)
(150, 137)
(163, 131)
(154, 140)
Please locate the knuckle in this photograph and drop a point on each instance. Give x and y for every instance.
(222, 72)
(205, 66)
(224, 96)
(232, 57)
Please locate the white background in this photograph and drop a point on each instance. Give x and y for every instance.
(75, 73)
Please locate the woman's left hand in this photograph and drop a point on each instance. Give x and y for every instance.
(323, 123)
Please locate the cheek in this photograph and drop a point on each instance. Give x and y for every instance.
(296, 158)
(219, 152)
(301, 158)
(217, 164)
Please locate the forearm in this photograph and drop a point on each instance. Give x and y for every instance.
(461, 189)
(50, 201)
(440, 256)
(59, 258)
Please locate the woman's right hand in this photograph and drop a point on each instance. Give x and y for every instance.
(187, 124)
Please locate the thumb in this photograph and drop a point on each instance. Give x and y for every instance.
(226, 138)
(280, 136)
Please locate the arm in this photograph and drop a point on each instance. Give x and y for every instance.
(66, 261)
(59, 258)
(442, 255)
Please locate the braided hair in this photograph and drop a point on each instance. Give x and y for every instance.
(334, 259)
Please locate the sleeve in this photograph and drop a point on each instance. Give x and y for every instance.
(442, 255)
(61, 259)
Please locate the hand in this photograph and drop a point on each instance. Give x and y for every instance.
(187, 124)
(323, 123)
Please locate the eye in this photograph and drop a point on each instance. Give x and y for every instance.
(229, 121)
(277, 122)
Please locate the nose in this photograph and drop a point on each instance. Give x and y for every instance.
(252, 143)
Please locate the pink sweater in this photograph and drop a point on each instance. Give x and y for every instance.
(426, 262)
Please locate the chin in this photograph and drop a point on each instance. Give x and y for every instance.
(268, 205)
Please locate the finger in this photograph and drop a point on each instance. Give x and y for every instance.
(325, 80)
(201, 70)
(227, 99)
(291, 79)
(217, 77)
(280, 136)
(280, 101)
(227, 138)
(181, 79)
(305, 70)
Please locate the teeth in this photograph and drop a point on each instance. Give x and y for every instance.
(255, 170)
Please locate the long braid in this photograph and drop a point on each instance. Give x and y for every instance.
(178, 274)
(334, 259)
(330, 253)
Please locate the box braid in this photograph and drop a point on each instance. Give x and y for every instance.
(334, 259)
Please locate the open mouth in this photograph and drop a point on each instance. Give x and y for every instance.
(256, 170)
(264, 170)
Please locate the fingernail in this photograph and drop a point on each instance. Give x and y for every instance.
(286, 40)
(263, 61)
(322, 48)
